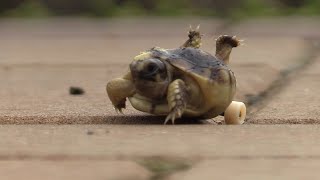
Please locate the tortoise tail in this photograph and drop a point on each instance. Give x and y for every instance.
(224, 45)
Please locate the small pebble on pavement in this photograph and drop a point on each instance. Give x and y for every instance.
(76, 90)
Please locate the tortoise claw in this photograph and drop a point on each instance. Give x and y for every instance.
(176, 100)
(198, 27)
(119, 109)
(172, 116)
(167, 119)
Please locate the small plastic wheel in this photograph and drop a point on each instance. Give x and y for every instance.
(235, 113)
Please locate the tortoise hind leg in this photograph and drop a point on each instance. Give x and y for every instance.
(177, 100)
(224, 45)
(194, 38)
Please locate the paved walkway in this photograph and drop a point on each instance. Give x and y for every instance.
(277, 71)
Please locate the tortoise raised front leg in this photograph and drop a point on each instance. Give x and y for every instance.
(177, 100)
(118, 90)
(194, 38)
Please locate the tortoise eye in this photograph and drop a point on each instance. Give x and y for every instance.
(152, 67)
(150, 70)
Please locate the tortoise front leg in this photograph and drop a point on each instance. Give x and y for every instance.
(177, 100)
(118, 90)
(194, 38)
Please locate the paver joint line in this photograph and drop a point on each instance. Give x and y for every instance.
(256, 103)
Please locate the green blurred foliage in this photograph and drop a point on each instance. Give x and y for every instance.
(254, 8)
(234, 9)
(28, 9)
(101, 8)
(310, 8)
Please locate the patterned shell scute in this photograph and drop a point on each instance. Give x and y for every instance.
(195, 61)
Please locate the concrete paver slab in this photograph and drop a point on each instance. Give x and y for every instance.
(298, 102)
(279, 27)
(40, 60)
(90, 42)
(180, 141)
(252, 169)
(107, 51)
(115, 27)
(72, 170)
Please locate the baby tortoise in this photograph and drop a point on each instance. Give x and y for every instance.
(182, 82)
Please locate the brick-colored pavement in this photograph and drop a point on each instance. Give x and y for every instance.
(40, 60)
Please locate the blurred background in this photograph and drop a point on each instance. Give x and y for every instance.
(235, 9)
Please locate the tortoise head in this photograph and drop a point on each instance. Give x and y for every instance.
(150, 77)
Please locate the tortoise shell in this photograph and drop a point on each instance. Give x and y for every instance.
(196, 62)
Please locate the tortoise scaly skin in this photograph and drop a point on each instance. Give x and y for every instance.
(182, 82)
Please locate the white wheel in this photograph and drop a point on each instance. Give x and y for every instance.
(235, 113)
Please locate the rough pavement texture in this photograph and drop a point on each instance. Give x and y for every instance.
(212, 151)
(297, 103)
(250, 169)
(191, 142)
(72, 170)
